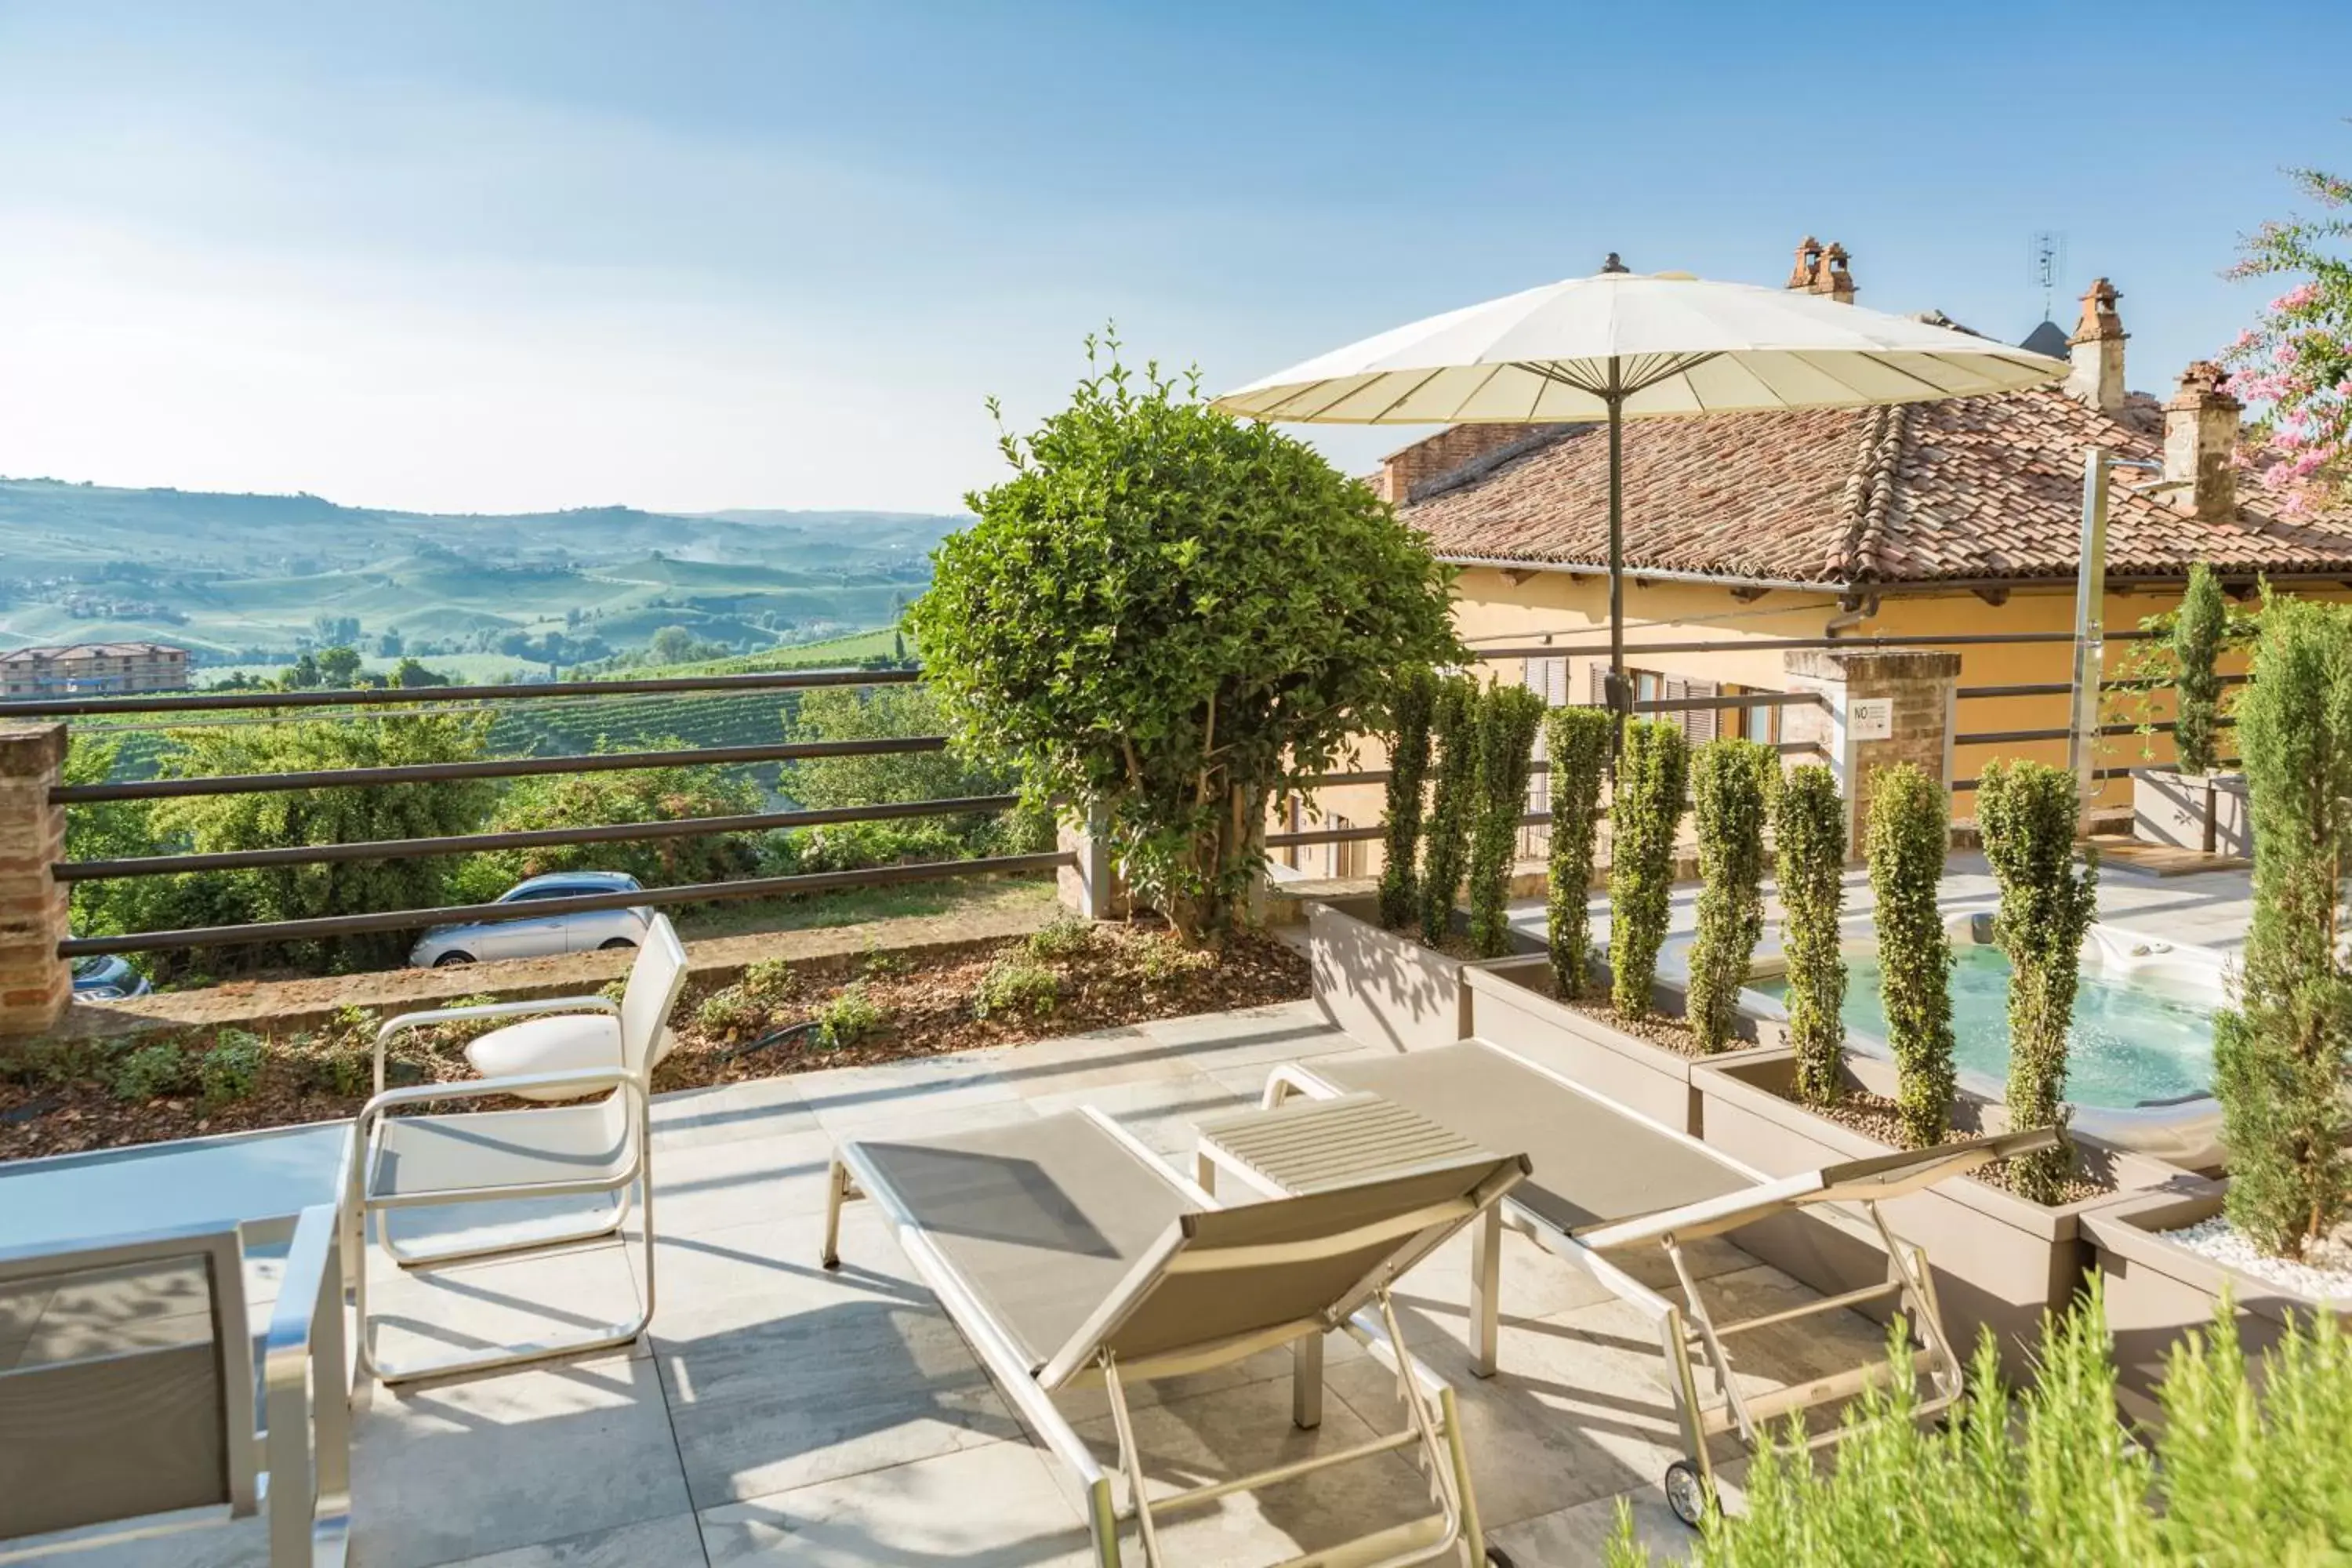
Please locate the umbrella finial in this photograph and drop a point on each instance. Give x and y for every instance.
(1614, 265)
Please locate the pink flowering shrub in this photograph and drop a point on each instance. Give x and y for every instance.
(2294, 366)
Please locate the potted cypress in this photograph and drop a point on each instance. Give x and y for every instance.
(2272, 1235)
(2001, 1258)
(2193, 804)
(1403, 987)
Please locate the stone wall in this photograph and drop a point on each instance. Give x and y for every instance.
(35, 983)
(1921, 691)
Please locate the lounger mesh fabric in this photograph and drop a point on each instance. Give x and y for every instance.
(1593, 1162)
(118, 1411)
(1042, 1219)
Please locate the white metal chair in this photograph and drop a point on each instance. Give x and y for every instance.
(584, 1148)
(141, 1417)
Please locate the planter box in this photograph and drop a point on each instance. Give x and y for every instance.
(1999, 1261)
(1512, 1004)
(1382, 986)
(2190, 811)
(2157, 1289)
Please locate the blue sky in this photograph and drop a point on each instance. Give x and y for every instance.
(491, 257)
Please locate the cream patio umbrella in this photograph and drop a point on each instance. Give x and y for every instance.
(1621, 345)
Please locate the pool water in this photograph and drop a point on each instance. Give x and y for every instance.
(2136, 1039)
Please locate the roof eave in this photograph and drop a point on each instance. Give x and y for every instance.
(1601, 569)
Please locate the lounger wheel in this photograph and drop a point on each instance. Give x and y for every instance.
(1686, 1494)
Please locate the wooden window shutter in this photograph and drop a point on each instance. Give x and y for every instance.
(1700, 725)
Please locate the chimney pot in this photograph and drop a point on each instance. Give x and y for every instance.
(1830, 276)
(2200, 442)
(2097, 350)
(1809, 255)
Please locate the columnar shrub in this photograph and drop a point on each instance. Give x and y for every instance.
(1910, 827)
(2049, 1479)
(1809, 830)
(1576, 741)
(1453, 722)
(1732, 782)
(1648, 806)
(2028, 812)
(1507, 718)
(2197, 635)
(1408, 773)
(2279, 1059)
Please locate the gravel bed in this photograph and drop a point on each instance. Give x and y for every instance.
(2324, 1273)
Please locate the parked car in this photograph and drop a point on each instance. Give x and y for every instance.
(524, 937)
(107, 977)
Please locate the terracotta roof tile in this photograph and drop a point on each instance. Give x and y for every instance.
(1964, 488)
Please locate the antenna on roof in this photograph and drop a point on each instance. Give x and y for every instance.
(2048, 254)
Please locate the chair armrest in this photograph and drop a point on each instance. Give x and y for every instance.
(479, 1087)
(484, 1010)
(306, 1391)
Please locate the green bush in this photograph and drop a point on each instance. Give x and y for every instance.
(2049, 1479)
(1809, 830)
(2028, 812)
(2197, 636)
(849, 1017)
(1446, 850)
(749, 1004)
(1648, 808)
(1506, 740)
(1013, 987)
(1167, 616)
(854, 846)
(2279, 1058)
(1067, 935)
(637, 794)
(153, 1071)
(880, 712)
(1732, 782)
(231, 1070)
(1408, 774)
(1910, 829)
(1576, 742)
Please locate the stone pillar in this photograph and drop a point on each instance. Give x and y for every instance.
(35, 984)
(1907, 704)
(1091, 886)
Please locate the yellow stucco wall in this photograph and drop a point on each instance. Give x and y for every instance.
(1492, 610)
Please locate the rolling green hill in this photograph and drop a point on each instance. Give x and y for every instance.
(248, 578)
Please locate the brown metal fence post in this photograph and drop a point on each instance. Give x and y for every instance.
(36, 983)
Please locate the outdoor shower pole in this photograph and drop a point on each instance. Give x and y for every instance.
(2090, 628)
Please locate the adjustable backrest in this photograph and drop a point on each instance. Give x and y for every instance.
(1220, 1276)
(1882, 1176)
(654, 981)
(132, 1389)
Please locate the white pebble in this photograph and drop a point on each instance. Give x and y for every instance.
(2324, 1273)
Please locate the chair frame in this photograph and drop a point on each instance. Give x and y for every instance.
(289, 1452)
(633, 1183)
(1689, 1325)
(1432, 1430)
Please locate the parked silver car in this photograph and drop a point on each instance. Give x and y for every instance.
(580, 931)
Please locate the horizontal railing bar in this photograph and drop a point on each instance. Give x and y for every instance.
(2101, 774)
(472, 914)
(1750, 645)
(529, 838)
(2063, 687)
(1749, 700)
(2005, 737)
(509, 692)
(1358, 834)
(493, 768)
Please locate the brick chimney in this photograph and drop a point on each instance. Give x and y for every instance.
(2097, 350)
(1808, 257)
(2201, 441)
(1832, 277)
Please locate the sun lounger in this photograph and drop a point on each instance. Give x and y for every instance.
(1609, 1183)
(1070, 1256)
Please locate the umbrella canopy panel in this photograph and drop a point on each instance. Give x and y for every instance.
(1663, 344)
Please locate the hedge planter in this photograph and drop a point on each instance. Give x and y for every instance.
(1512, 1003)
(1383, 986)
(2204, 811)
(2158, 1290)
(1999, 1261)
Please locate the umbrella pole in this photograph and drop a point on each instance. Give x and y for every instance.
(1620, 692)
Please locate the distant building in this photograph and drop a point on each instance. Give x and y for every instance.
(93, 668)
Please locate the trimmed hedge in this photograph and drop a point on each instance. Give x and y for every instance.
(1651, 773)
(1507, 718)
(1910, 829)
(2028, 812)
(1408, 773)
(1576, 742)
(1446, 850)
(1809, 830)
(1732, 783)
(2197, 635)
